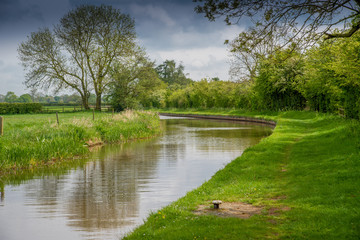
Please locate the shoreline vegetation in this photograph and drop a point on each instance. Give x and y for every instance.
(301, 182)
(34, 141)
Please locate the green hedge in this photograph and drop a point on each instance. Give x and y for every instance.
(13, 108)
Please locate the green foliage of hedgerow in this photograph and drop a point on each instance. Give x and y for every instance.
(20, 108)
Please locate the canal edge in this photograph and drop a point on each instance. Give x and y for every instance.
(220, 117)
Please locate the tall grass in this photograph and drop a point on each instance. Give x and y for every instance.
(30, 140)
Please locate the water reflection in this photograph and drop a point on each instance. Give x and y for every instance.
(116, 190)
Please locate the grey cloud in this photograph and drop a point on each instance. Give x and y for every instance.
(168, 29)
(12, 11)
(154, 12)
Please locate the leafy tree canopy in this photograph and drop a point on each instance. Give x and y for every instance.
(171, 73)
(10, 97)
(298, 21)
(133, 80)
(79, 52)
(25, 98)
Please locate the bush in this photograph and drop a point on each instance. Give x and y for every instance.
(14, 108)
(278, 80)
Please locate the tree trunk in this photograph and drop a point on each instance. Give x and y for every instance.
(98, 102)
(85, 103)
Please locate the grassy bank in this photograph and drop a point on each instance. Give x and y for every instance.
(31, 141)
(305, 177)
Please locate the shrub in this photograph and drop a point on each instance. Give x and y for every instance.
(14, 108)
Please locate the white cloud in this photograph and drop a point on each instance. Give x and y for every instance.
(198, 62)
(11, 78)
(199, 57)
(203, 53)
(11, 72)
(193, 36)
(154, 12)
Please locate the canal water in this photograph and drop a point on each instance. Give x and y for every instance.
(117, 188)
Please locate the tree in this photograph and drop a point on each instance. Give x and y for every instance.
(57, 99)
(10, 97)
(79, 52)
(172, 74)
(246, 54)
(34, 94)
(299, 21)
(131, 80)
(277, 83)
(331, 77)
(25, 98)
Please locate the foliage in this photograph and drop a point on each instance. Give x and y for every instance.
(172, 74)
(277, 81)
(10, 97)
(79, 52)
(300, 21)
(207, 94)
(16, 108)
(275, 88)
(134, 80)
(247, 52)
(155, 98)
(25, 98)
(331, 76)
(325, 78)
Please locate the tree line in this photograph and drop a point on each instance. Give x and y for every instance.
(37, 97)
(93, 50)
(295, 56)
(131, 87)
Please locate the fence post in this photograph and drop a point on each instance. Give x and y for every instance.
(63, 109)
(93, 114)
(113, 112)
(1, 126)
(57, 118)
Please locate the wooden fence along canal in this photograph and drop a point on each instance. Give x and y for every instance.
(79, 108)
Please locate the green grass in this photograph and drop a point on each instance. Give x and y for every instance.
(308, 170)
(35, 140)
(60, 109)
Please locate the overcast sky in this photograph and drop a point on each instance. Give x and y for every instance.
(167, 29)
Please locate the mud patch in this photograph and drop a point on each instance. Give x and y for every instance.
(278, 211)
(276, 198)
(229, 209)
